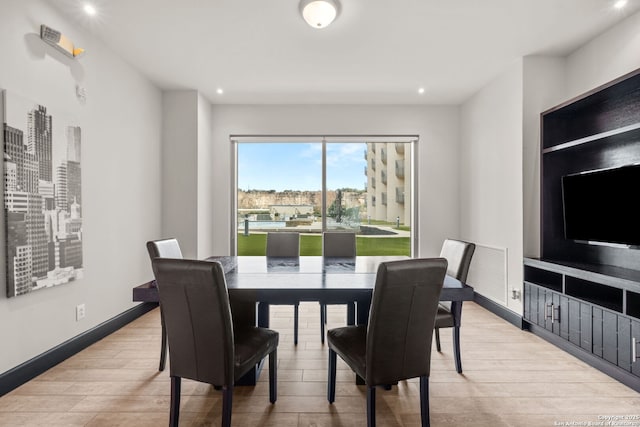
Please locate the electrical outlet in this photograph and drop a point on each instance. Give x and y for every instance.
(80, 312)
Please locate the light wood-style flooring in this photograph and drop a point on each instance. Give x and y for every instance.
(511, 378)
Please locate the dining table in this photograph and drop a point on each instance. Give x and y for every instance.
(256, 282)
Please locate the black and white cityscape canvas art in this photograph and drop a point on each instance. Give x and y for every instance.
(42, 196)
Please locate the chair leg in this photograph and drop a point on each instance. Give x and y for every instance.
(371, 406)
(227, 402)
(456, 348)
(323, 320)
(295, 323)
(424, 400)
(163, 343)
(437, 333)
(174, 412)
(331, 383)
(273, 376)
(323, 313)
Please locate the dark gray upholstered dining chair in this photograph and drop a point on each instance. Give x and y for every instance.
(396, 344)
(458, 254)
(163, 248)
(337, 244)
(203, 345)
(286, 244)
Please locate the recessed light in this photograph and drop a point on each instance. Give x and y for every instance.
(219, 91)
(421, 90)
(620, 4)
(90, 9)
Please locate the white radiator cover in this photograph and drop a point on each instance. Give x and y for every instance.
(488, 272)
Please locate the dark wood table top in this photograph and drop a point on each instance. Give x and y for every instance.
(310, 278)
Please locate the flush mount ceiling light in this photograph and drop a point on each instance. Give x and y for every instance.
(319, 13)
(90, 9)
(620, 4)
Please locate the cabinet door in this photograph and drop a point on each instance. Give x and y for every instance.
(556, 312)
(610, 338)
(596, 332)
(542, 307)
(575, 327)
(624, 343)
(536, 305)
(527, 301)
(586, 327)
(549, 315)
(565, 320)
(635, 333)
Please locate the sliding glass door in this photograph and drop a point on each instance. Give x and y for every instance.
(346, 188)
(313, 186)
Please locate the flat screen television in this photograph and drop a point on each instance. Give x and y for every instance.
(601, 206)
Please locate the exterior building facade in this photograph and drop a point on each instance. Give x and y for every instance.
(388, 173)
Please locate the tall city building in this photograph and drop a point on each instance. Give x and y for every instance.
(388, 181)
(10, 176)
(27, 238)
(70, 252)
(74, 138)
(14, 150)
(68, 188)
(18, 255)
(37, 236)
(46, 191)
(61, 187)
(74, 176)
(39, 141)
(30, 173)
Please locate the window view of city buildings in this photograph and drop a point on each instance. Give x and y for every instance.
(388, 182)
(42, 203)
(368, 191)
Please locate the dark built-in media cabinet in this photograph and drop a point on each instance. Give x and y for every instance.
(583, 294)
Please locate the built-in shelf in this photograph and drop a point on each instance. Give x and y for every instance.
(632, 307)
(586, 297)
(545, 278)
(607, 108)
(624, 133)
(596, 293)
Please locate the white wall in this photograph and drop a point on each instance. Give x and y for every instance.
(507, 112)
(544, 86)
(437, 161)
(491, 177)
(605, 58)
(180, 169)
(207, 187)
(120, 175)
(188, 188)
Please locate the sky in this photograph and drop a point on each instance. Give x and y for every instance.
(298, 166)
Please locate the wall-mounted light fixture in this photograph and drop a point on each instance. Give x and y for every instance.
(59, 41)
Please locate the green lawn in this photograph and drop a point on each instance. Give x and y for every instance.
(255, 244)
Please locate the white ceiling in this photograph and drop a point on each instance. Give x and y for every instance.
(375, 52)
